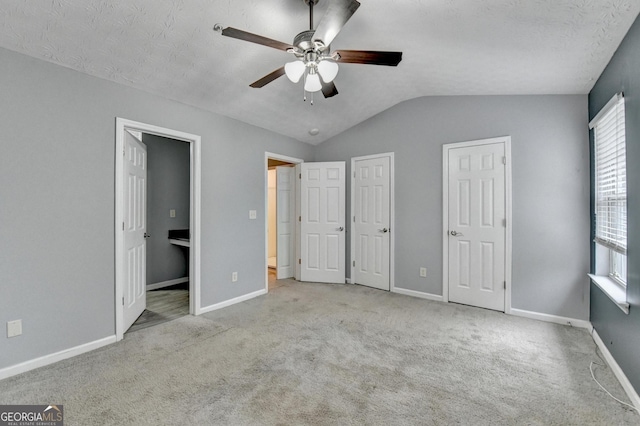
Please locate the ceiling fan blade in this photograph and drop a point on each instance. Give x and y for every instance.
(254, 38)
(338, 13)
(328, 89)
(370, 57)
(268, 78)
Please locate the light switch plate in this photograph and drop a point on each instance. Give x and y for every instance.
(14, 328)
(423, 272)
(172, 213)
(253, 214)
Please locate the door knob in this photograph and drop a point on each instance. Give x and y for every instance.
(383, 230)
(455, 234)
(146, 235)
(341, 229)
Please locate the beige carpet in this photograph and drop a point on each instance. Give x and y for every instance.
(321, 354)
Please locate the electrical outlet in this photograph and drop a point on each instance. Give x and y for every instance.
(253, 214)
(423, 272)
(172, 213)
(14, 328)
(234, 277)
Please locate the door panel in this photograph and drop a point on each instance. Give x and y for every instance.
(285, 212)
(372, 184)
(477, 233)
(322, 222)
(135, 227)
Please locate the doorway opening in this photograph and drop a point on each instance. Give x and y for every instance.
(167, 231)
(281, 248)
(177, 235)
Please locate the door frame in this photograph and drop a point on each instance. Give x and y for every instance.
(506, 140)
(392, 216)
(123, 125)
(292, 160)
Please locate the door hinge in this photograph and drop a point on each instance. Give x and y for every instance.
(505, 284)
(354, 263)
(123, 226)
(504, 160)
(354, 174)
(504, 222)
(299, 261)
(300, 176)
(123, 301)
(299, 218)
(354, 219)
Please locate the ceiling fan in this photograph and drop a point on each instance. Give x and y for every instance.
(315, 63)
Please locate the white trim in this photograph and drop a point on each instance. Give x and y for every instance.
(551, 318)
(613, 290)
(348, 281)
(279, 157)
(167, 283)
(508, 213)
(617, 371)
(195, 143)
(605, 109)
(55, 357)
(232, 301)
(414, 293)
(392, 215)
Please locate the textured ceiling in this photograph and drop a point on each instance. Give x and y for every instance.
(451, 47)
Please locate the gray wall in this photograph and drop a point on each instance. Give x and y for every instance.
(621, 332)
(550, 188)
(168, 187)
(57, 201)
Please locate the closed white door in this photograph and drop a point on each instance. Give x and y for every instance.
(371, 222)
(135, 226)
(285, 219)
(322, 222)
(477, 225)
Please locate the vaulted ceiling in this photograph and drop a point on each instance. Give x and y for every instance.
(450, 47)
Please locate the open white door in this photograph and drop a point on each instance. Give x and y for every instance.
(135, 225)
(476, 224)
(371, 228)
(285, 212)
(322, 222)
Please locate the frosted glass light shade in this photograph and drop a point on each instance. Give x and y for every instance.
(294, 70)
(328, 71)
(313, 83)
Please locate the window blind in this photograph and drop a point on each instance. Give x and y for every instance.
(611, 176)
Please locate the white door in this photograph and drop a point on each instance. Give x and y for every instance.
(371, 226)
(322, 223)
(476, 225)
(135, 226)
(285, 217)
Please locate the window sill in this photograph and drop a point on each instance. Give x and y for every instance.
(612, 289)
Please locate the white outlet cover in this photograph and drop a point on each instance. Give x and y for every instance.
(234, 277)
(253, 214)
(172, 213)
(423, 272)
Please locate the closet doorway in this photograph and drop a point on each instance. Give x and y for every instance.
(281, 206)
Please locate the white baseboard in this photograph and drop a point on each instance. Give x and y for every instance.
(233, 301)
(167, 283)
(617, 371)
(551, 318)
(55, 357)
(415, 293)
(348, 281)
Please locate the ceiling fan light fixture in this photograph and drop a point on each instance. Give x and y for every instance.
(328, 70)
(294, 70)
(312, 84)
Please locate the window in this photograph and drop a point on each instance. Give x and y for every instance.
(610, 198)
